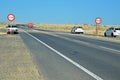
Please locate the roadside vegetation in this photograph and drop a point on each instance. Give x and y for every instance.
(14, 64)
(15, 60)
(89, 29)
(3, 24)
(2, 28)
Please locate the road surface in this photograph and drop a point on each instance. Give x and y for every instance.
(65, 56)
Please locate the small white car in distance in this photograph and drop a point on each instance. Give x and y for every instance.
(11, 29)
(77, 29)
(113, 31)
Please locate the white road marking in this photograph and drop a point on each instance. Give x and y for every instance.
(110, 49)
(68, 59)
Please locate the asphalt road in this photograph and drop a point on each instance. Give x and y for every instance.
(65, 56)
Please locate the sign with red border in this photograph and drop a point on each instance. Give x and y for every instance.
(30, 25)
(11, 17)
(98, 20)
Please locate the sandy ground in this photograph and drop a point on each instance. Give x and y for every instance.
(15, 60)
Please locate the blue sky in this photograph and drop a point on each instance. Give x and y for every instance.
(62, 11)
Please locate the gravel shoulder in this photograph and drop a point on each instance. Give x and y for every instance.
(15, 60)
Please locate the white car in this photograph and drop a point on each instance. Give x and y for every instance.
(77, 29)
(12, 29)
(112, 32)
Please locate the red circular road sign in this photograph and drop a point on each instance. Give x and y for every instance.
(11, 17)
(98, 20)
(30, 25)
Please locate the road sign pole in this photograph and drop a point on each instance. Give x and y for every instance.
(98, 20)
(97, 25)
(11, 18)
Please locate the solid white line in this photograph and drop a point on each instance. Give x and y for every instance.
(68, 59)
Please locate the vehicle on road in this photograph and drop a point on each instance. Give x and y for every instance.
(11, 29)
(112, 32)
(77, 29)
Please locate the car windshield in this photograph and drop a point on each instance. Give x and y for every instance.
(79, 27)
(117, 28)
(11, 26)
(14, 26)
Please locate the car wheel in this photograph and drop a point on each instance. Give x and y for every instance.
(15, 32)
(81, 32)
(105, 34)
(112, 35)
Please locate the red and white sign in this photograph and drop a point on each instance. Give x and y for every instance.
(98, 20)
(11, 17)
(30, 25)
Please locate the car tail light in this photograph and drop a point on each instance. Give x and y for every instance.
(7, 30)
(114, 30)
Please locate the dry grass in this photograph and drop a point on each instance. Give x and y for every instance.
(55, 26)
(3, 24)
(2, 28)
(15, 60)
(2, 32)
(89, 29)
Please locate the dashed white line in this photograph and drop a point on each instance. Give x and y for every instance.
(110, 49)
(68, 59)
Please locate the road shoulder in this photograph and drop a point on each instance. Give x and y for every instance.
(15, 60)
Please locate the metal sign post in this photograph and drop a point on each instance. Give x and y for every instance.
(97, 25)
(98, 20)
(11, 18)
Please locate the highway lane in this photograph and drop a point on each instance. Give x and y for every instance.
(51, 65)
(108, 44)
(102, 62)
